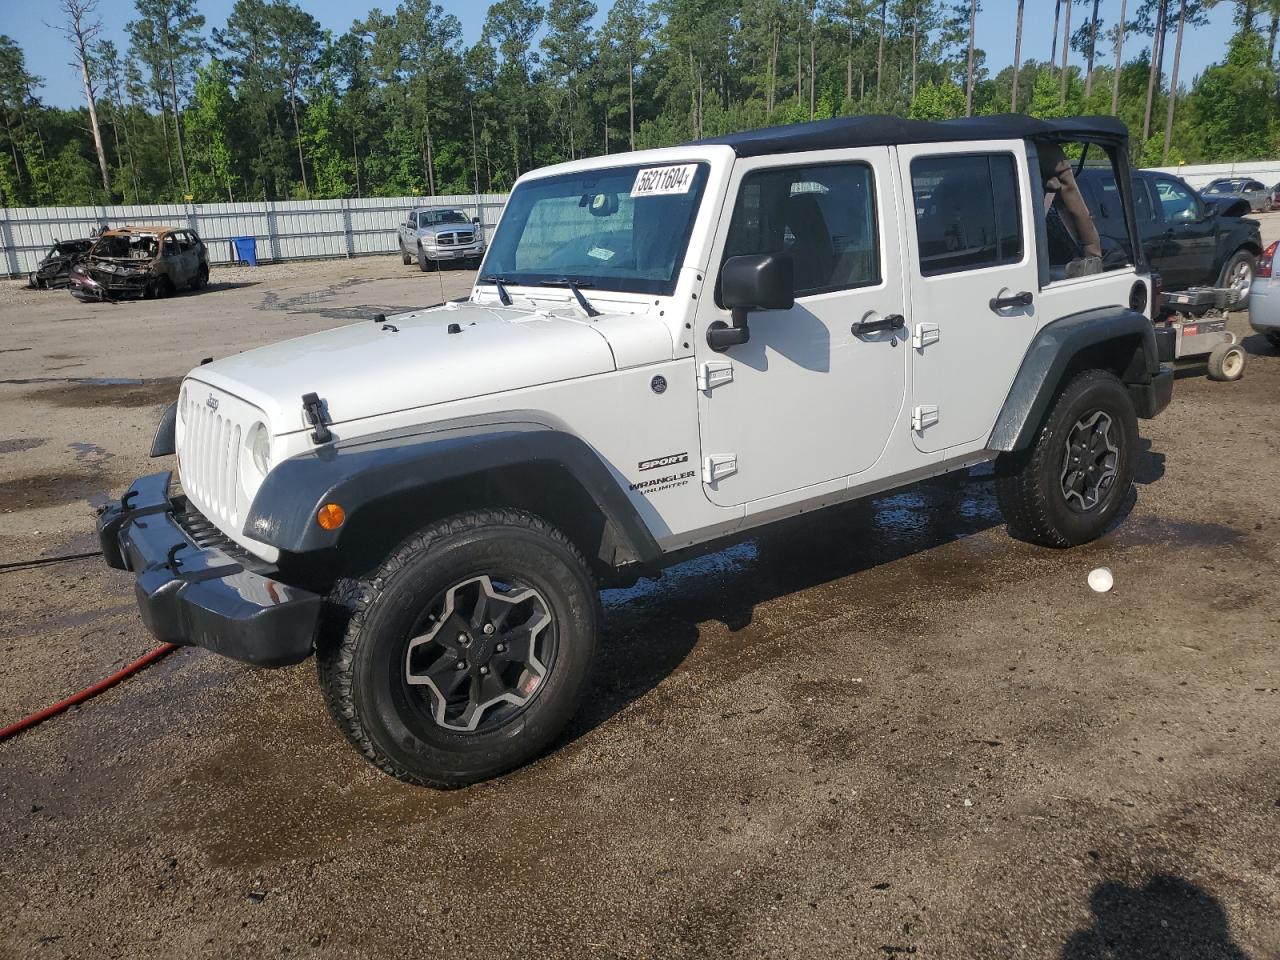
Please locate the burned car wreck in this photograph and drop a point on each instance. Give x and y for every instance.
(52, 271)
(141, 262)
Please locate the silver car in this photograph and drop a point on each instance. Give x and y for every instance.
(435, 235)
(1264, 298)
(1240, 188)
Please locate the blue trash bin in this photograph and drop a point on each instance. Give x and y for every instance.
(245, 250)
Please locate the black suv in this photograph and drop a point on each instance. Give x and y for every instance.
(1189, 241)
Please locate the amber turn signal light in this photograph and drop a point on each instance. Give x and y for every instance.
(331, 516)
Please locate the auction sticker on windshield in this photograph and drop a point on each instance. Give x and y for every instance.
(657, 181)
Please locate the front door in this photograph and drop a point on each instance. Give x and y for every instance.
(974, 283)
(812, 397)
(1189, 234)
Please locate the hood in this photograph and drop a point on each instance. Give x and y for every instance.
(412, 360)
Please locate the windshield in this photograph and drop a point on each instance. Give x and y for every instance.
(1227, 186)
(126, 246)
(441, 216)
(624, 228)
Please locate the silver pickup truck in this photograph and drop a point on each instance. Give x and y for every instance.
(432, 236)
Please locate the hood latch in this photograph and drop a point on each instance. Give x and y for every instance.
(313, 410)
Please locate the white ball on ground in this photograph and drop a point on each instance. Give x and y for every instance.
(1101, 580)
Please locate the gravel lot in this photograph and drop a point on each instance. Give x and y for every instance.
(888, 731)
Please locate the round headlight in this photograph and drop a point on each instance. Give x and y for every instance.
(260, 448)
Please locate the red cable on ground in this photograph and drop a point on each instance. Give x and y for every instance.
(54, 709)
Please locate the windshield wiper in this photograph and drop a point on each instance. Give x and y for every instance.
(573, 286)
(503, 296)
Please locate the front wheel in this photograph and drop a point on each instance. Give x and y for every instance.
(1068, 487)
(1273, 338)
(466, 653)
(424, 264)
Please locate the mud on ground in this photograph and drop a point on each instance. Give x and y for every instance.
(888, 730)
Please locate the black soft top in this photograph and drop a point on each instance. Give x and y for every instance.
(871, 131)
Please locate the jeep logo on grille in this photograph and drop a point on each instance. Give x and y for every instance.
(212, 402)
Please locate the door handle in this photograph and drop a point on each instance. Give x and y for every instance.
(1022, 299)
(892, 322)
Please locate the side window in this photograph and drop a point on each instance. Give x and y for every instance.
(170, 247)
(824, 216)
(966, 212)
(1143, 209)
(1176, 201)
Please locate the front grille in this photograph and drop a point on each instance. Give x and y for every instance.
(214, 428)
(455, 239)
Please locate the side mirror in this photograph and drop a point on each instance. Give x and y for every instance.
(758, 281)
(476, 221)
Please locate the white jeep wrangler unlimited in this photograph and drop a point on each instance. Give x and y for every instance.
(662, 349)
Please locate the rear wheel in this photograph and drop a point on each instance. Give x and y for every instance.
(1073, 480)
(1226, 362)
(465, 653)
(1273, 338)
(1237, 275)
(405, 257)
(201, 278)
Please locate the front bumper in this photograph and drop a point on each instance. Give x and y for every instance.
(1151, 398)
(472, 252)
(202, 596)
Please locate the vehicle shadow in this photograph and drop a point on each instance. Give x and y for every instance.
(651, 627)
(215, 285)
(1258, 345)
(1170, 918)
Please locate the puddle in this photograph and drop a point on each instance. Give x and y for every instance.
(22, 444)
(50, 490)
(105, 391)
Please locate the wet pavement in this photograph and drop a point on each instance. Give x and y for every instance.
(884, 730)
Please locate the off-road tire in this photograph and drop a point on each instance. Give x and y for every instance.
(1029, 485)
(424, 264)
(364, 639)
(1226, 362)
(1230, 275)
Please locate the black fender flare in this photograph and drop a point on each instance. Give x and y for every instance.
(364, 470)
(1051, 354)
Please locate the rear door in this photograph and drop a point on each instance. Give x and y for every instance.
(971, 260)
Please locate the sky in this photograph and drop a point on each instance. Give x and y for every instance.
(48, 53)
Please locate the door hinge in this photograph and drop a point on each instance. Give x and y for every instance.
(926, 333)
(713, 373)
(923, 417)
(719, 466)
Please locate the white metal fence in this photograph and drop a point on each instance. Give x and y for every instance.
(287, 230)
(1200, 175)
